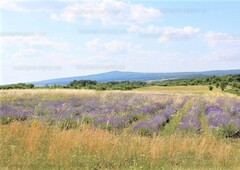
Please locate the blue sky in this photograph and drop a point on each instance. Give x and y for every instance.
(52, 39)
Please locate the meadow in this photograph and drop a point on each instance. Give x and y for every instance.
(147, 128)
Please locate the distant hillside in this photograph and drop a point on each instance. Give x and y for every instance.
(135, 76)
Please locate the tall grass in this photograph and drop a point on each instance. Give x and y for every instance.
(35, 145)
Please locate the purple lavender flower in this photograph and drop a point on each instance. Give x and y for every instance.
(9, 113)
(217, 118)
(233, 108)
(213, 109)
(190, 121)
(168, 112)
(153, 124)
(111, 123)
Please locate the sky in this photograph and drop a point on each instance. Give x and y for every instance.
(42, 40)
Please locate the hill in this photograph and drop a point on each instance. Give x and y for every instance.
(135, 76)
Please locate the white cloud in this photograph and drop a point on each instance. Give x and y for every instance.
(226, 54)
(25, 53)
(171, 33)
(32, 50)
(135, 28)
(1, 51)
(94, 43)
(115, 52)
(6, 4)
(128, 55)
(151, 29)
(115, 12)
(165, 33)
(31, 59)
(118, 46)
(33, 6)
(224, 47)
(70, 17)
(216, 39)
(108, 12)
(112, 47)
(32, 40)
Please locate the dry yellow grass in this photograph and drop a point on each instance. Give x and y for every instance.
(179, 89)
(189, 90)
(23, 143)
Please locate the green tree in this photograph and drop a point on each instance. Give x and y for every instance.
(223, 85)
(234, 85)
(230, 79)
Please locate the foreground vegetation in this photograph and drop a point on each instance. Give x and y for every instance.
(58, 128)
(36, 145)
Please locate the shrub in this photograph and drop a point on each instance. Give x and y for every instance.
(133, 117)
(210, 88)
(229, 131)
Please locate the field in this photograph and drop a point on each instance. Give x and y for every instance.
(148, 128)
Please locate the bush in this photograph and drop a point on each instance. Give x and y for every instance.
(229, 131)
(134, 117)
(210, 88)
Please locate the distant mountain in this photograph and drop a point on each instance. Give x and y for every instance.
(135, 76)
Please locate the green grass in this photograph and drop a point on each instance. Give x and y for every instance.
(204, 125)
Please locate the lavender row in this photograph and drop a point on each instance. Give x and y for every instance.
(152, 125)
(224, 116)
(89, 107)
(216, 117)
(190, 120)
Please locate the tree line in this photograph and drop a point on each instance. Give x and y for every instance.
(83, 84)
(221, 82)
(18, 86)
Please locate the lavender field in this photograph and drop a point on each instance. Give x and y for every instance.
(83, 129)
(139, 113)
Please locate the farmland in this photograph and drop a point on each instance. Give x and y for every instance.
(148, 128)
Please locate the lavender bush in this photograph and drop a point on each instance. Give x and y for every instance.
(190, 121)
(145, 114)
(152, 125)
